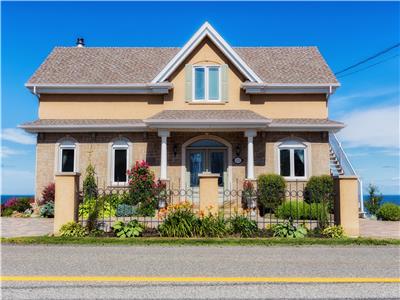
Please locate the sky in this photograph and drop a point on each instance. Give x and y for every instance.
(368, 100)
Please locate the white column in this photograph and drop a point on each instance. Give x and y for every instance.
(250, 134)
(164, 134)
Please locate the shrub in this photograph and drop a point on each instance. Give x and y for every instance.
(389, 212)
(271, 191)
(89, 183)
(125, 210)
(18, 204)
(243, 226)
(374, 201)
(334, 232)
(179, 222)
(48, 194)
(319, 189)
(300, 210)
(6, 212)
(47, 210)
(103, 207)
(288, 230)
(212, 226)
(131, 229)
(72, 229)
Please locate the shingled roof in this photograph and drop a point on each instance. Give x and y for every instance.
(87, 65)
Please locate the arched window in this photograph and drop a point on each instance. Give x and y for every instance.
(67, 155)
(119, 161)
(292, 159)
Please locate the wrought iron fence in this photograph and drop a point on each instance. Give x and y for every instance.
(108, 205)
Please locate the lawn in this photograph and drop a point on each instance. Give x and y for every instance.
(50, 240)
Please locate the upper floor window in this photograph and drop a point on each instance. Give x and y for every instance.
(292, 159)
(206, 83)
(66, 159)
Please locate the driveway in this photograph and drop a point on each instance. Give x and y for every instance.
(154, 263)
(379, 229)
(13, 227)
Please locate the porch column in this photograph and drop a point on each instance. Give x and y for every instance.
(250, 134)
(164, 134)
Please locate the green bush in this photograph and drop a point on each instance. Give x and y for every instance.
(374, 201)
(131, 229)
(335, 232)
(47, 210)
(271, 191)
(102, 207)
(89, 183)
(180, 222)
(6, 212)
(299, 210)
(389, 212)
(73, 229)
(212, 226)
(243, 226)
(288, 230)
(319, 189)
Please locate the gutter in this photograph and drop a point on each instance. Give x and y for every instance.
(277, 88)
(136, 88)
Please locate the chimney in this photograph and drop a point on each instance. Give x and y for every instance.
(80, 42)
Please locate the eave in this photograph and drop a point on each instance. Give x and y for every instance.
(264, 88)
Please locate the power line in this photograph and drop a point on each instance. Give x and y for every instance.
(369, 58)
(370, 66)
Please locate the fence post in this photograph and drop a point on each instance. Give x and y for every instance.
(346, 204)
(66, 199)
(209, 192)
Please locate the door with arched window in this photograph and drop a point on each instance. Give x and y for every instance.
(206, 156)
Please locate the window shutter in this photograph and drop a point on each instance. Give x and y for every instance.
(224, 83)
(188, 82)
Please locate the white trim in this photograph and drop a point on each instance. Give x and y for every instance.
(125, 144)
(66, 143)
(84, 128)
(206, 137)
(264, 88)
(206, 30)
(206, 84)
(291, 144)
(145, 88)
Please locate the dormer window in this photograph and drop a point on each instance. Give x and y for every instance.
(207, 83)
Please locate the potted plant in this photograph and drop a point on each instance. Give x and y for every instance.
(249, 197)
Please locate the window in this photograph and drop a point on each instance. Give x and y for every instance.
(119, 161)
(207, 83)
(67, 156)
(292, 159)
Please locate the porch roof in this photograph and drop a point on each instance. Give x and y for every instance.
(295, 124)
(191, 119)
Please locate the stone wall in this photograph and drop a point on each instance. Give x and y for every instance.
(95, 147)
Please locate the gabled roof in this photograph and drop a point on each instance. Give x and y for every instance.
(206, 30)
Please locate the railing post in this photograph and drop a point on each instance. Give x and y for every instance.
(209, 192)
(66, 199)
(346, 204)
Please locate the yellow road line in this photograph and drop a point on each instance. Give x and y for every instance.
(206, 279)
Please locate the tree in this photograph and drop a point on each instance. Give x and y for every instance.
(374, 201)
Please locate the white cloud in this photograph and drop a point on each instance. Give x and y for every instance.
(368, 94)
(17, 182)
(17, 136)
(372, 127)
(6, 152)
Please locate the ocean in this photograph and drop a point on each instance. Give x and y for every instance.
(4, 198)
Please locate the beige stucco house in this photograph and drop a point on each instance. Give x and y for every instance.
(208, 106)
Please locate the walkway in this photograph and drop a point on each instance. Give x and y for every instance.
(12, 227)
(379, 229)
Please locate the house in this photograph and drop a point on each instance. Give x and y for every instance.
(208, 106)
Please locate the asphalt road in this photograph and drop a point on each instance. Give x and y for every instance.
(211, 261)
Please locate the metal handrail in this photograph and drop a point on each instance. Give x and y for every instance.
(347, 166)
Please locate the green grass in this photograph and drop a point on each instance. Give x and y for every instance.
(49, 240)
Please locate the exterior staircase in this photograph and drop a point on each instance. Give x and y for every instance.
(341, 165)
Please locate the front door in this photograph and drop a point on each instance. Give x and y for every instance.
(206, 160)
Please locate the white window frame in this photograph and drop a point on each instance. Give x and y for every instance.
(66, 145)
(206, 83)
(291, 146)
(124, 145)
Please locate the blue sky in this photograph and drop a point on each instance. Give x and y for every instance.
(368, 101)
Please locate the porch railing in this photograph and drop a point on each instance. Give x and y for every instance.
(347, 167)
